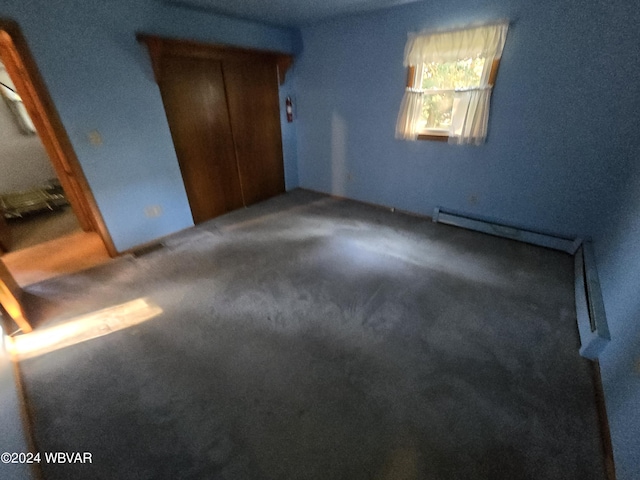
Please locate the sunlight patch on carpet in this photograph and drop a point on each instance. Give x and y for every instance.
(81, 329)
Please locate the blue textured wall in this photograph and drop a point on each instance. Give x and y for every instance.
(618, 249)
(617, 240)
(562, 138)
(542, 166)
(100, 78)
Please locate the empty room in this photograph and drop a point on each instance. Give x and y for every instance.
(351, 239)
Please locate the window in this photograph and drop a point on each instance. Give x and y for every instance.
(449, 83)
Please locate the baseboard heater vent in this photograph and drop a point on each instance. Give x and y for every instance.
(592, 322)
(557, 243)
(146, 250)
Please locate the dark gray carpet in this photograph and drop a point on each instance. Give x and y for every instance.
(312, 338)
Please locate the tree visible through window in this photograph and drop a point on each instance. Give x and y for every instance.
(451, 75)
(439, 82)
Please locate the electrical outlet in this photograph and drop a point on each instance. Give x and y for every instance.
(153, 211)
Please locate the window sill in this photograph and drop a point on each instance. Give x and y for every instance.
(437, 138)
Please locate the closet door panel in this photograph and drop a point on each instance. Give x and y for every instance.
(194, 98)
(252, 97)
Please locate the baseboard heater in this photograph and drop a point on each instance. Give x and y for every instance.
(557, 243)
(592, 321)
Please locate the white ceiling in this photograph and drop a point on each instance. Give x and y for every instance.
(292, 13)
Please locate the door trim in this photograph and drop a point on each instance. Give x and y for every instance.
(24, 72)
(10, 296)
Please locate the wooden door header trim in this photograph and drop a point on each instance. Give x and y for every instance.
(159, 46)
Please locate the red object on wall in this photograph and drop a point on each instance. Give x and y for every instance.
(289, 109)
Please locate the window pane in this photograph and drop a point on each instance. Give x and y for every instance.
(436, 111)
(462, 74)
(437, 108)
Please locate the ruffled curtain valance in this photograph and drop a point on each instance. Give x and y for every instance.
(451, 46)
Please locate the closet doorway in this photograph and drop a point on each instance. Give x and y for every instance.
(223, 111)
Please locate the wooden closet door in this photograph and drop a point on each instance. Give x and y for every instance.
(193, 93)
(252, 96)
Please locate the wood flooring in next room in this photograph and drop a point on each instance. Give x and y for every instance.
(41, 227)
(63, 255)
